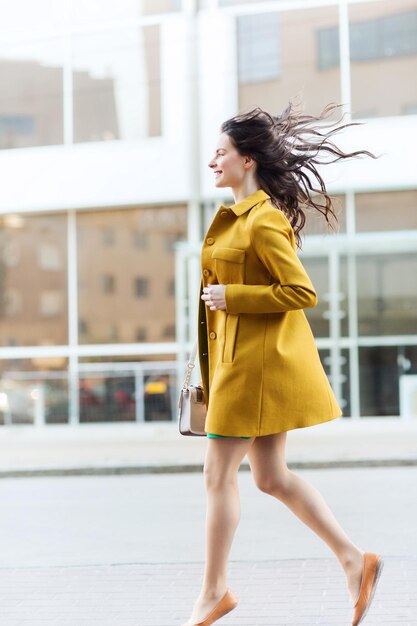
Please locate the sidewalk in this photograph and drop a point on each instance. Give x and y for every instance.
(271, 593)
(128, 550)
(159, 447)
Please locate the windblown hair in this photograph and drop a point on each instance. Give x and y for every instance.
(287, 149)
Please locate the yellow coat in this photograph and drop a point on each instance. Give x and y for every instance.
(259, 363)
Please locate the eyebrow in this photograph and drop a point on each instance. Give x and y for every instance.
(221, 149)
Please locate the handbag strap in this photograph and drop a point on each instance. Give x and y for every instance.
(190, 365)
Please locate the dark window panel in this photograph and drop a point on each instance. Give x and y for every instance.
(141, 286)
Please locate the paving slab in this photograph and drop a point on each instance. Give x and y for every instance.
(287, 592)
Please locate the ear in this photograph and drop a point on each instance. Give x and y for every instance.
(248, 162)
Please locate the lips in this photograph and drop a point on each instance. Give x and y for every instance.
(218, 172)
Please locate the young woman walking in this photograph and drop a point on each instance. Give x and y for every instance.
(260, 367)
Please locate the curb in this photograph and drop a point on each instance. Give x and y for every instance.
(192, 468)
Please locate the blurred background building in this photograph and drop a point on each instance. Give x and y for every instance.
(109, 114)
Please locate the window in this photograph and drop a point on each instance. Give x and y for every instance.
(127, 268)
(111, 331)
(409, 109)
(107, 283)
(108, 236)
(316, 223)
(31, 108)
(259, 47)
(15, 126)
(342, 359)
(49, 257)
(398, 34)
(82, 327)
(117, 83)
(170, 241)
(171, 286)
(140, 239)
(169, 331)
(50, 303)
(10, 252)
(383, 51)
(365, 41)
(380, 370)
(12, 303)
(141, 333)
(328, 47)
(318, 317)
(277, 60)
(388, 36)
(33, 272)
(387, 294)
(386, 211)
(141, 287)
(20, 377)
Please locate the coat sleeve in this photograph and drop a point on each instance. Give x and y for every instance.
(273, 239)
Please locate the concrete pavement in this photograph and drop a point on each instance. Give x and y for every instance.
(160, 518)
(129, 550)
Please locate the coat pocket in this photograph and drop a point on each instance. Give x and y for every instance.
(229, 265)
(230, 334)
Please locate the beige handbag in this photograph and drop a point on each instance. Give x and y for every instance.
(192, 409)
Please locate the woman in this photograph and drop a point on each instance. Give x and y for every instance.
(260, 367)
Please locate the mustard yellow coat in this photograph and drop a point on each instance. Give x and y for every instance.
(259, 363)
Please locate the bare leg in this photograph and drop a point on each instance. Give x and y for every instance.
(271, 474)
(223, 458)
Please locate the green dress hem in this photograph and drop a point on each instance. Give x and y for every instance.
(213, 436)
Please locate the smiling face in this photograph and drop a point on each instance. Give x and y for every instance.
(229, 167)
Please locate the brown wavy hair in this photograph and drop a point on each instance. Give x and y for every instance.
(286, 149)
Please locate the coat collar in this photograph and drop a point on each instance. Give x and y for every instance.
(248, 202)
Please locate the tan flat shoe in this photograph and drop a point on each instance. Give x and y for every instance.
(226, 604)
(372, 568)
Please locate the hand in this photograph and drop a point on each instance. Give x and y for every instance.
(214, 297)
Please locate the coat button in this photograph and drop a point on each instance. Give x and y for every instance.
(224, 213)
(212, 335)
(210, 241)
(206, 272)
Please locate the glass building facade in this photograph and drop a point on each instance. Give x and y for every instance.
(105, 135)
